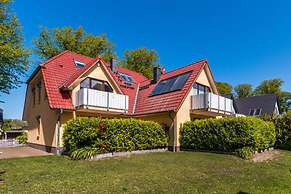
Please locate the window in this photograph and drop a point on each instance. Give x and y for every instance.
(171, 84)
(33, 96)
(96, 85)
(200, 89)
(39, 92)
(258, 111)
(126, 78)
(255, 111)
(38, 121)
(79, 64)
(252, 111)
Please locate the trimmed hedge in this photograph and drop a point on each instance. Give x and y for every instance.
(228, 135)
(283, 128)
(85, 137)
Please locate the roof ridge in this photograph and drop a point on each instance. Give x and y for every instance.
(187, 66)
(53, 58)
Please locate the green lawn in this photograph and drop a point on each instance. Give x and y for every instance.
(184, 172)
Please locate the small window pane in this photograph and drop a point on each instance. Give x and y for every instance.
(252, 111)
(79, 64)
(108, 87)
(85, 83)
(258, 111)
(97, 85)
(126, 77)
(201, 89)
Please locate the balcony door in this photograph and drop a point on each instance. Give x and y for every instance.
(201, 90)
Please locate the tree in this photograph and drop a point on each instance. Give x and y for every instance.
(13, 56)
(243, 90)
(10, 124)
(141, 60)
(272, 86)
(224, 88)
(52, 42)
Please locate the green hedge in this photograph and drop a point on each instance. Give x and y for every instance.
(22, 138)
(283, 128)
(85, 137)
(228, 134)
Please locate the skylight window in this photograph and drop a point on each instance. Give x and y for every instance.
(79, 64)
(126, 78)
(171, 84)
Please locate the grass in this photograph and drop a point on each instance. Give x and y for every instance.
(183, 172)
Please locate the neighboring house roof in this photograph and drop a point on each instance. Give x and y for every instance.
(266, 103)
(60, 72)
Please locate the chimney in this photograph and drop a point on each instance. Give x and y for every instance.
(113, 64)
(156, 74)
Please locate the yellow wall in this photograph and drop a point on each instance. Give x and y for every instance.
(203, 79)
(48, 117)
(184, 113)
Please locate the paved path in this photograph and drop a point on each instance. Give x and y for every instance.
(20, 152)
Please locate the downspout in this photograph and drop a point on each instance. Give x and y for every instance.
(60, 112)
(174, 134)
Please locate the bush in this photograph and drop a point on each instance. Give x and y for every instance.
(22, 138)
(227, 134)
(283, 128)
(85, 137)
(246, 152)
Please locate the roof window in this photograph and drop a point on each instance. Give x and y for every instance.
(79, 64)
(126, 78)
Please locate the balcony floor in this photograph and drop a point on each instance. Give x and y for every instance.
(205, 113)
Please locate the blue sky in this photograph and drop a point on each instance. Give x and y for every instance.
(244, 41)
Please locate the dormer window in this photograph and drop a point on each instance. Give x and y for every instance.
(255, 111)
(79, 64)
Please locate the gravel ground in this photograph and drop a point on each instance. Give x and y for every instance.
(20, 152)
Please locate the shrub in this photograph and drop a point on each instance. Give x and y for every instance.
(227, 134)
(246, 152)
(283, 128)
(22, 138)
(84, 137)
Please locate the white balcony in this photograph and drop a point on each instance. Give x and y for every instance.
(212, 103)
(95, 99)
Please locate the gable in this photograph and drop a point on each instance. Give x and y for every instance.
(98, 72)
(205, 78)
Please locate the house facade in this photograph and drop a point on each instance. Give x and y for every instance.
(71, 85)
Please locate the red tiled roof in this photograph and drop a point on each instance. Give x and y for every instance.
(61, 71)
(168, 101)
(55, 71)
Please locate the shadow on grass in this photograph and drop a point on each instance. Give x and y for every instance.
(286, 146)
